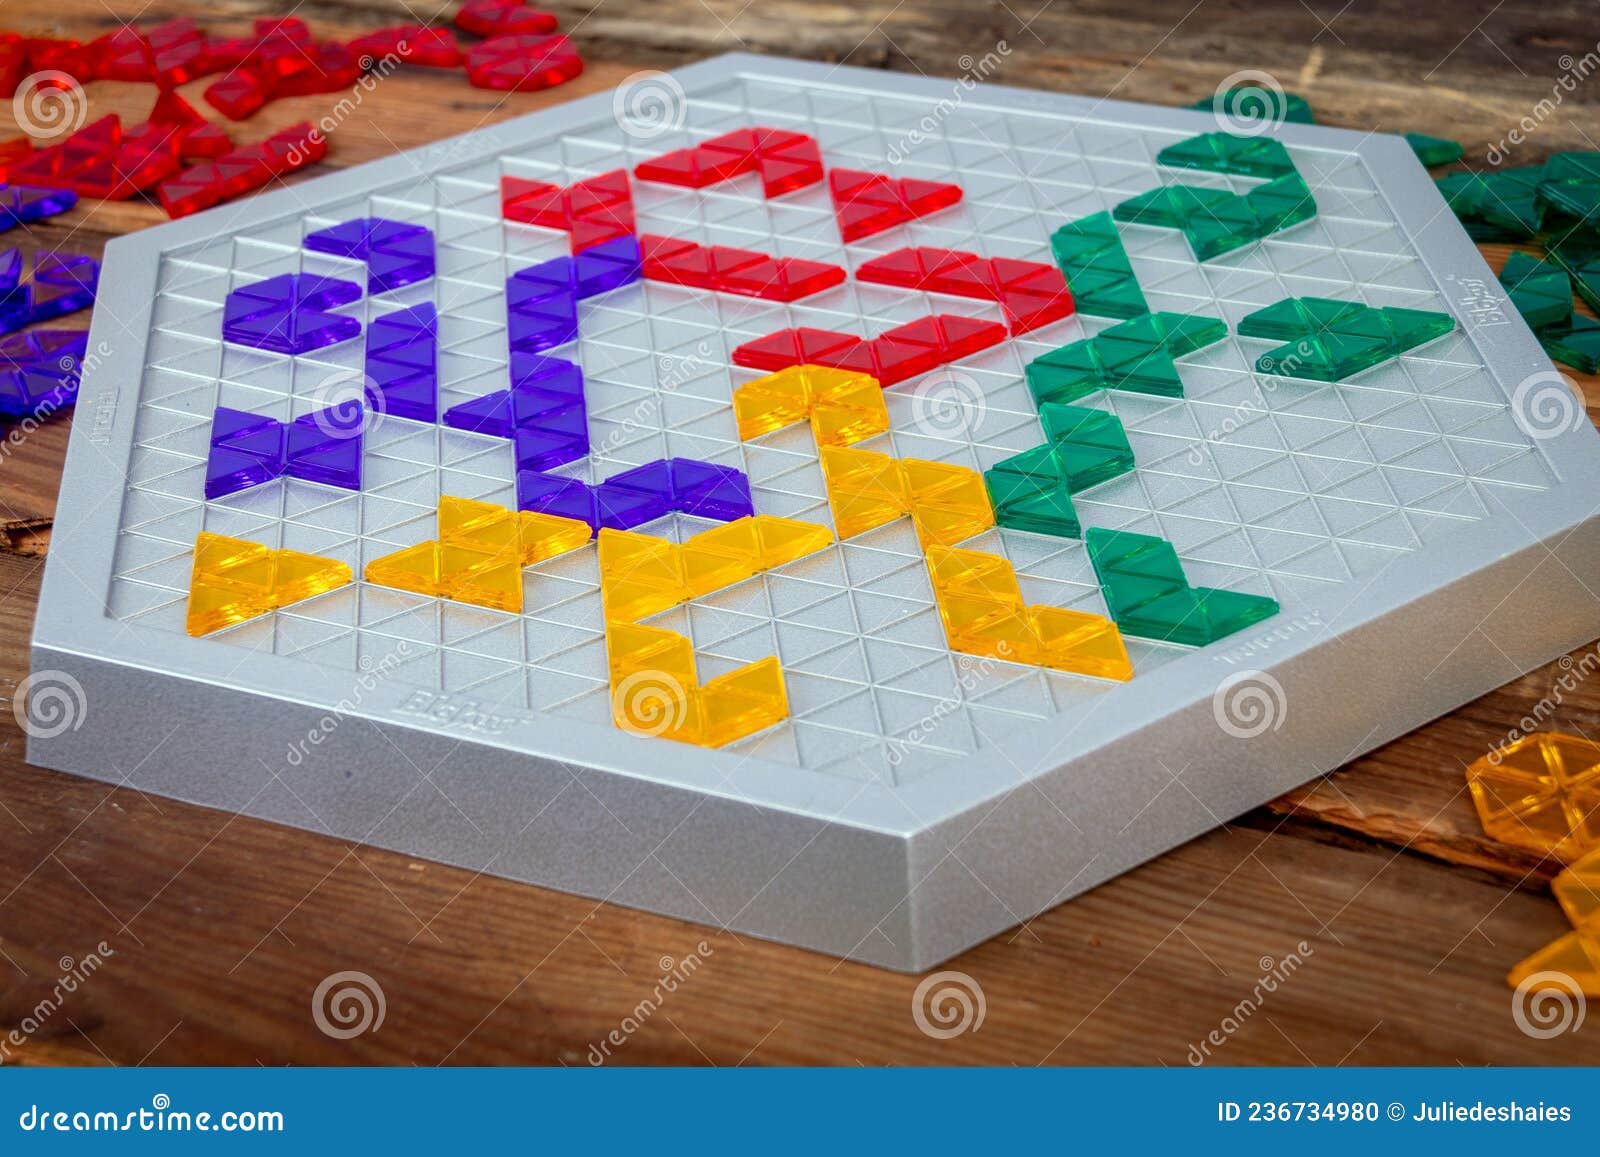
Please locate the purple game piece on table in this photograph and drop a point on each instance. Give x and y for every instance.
(249, 449)
(20, 204)
(402, 363)
(641, 494)
(553, 494)
(397, 254)
(543, 412)
(63, 284)
(707, 490)
(607, 266)
(288, 314)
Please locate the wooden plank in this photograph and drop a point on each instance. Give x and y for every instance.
(222, 928)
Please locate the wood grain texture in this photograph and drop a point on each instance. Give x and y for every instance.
(1377, 880)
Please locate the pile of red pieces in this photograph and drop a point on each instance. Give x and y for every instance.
(104, 160)
(281, 57)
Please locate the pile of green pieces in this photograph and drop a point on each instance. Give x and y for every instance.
(1541, 291)
(1033, 490)
(1149, 596)
(1328, 340)
(1217, 221)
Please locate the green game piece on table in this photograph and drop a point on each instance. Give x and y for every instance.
(1578, 203)
(1028, 493)
(1227, 153)
(1132, 355)
(1096, 266)
(1573, 168)
(1090, 445)
(1249, 102)
(1297, 317)
(1540, 291)
(1149, 596)
(1579, 255)
(1499, 206)
(1433, 151)
(1574, 342)
(1171, 206)
(1329, 340)
(1215, 221)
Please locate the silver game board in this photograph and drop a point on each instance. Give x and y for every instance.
(1427, 527)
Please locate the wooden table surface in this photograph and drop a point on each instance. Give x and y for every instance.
(223, 927)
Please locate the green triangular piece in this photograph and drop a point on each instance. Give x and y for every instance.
(1226, 153)
(1020, 502)
(1432, 151)
(1171, 206)
(1090, 446)
(1540, 291)
(1296, 317)
(1574, 342)
(1092, 259)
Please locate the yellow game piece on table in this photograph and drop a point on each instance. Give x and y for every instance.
(642, 575)
(1575, 957)
(234, 580)
(479, 554)
(655, 690)
(844, 406)
(1541, 792)
(949, 503)
(865, 489)
(1578, 891)
(980, 604)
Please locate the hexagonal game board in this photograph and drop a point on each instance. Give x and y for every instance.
(854, 509)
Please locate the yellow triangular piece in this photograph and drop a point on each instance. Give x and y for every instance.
(416, 568)
(1079, 642)
(1575, 955)
(782, 540)
(233, 580)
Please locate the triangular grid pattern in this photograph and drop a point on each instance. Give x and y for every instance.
(1269, 485)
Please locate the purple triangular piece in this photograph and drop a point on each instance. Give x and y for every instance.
(490, 414)
(325, 446)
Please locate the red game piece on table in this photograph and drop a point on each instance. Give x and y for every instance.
(785, 161)
(242, 170)
(240, 93)
(171, 109)
(77, 60)
(1031, 293)
(741, 271)
(13, 63)
(181, 52)
(593, 211)
(127, 55)
(331, 66)
(411, 43)
(892, 356)
(503, 18)
(12, 152)
(522, 63)
(868, 203)
(204, 141)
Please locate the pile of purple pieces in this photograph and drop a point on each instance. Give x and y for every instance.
(61, 284)
(39, 372)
